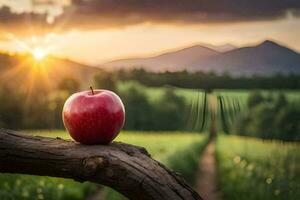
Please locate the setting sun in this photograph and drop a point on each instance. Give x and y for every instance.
(39, 53)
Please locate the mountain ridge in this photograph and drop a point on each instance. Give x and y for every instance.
(265, 58)
(219, 48)
(171, 61)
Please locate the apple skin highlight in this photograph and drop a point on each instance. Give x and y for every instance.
(94, 117)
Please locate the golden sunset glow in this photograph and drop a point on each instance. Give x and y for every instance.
(39, 54)
(101, 37)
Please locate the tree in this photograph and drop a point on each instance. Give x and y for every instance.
(287, 123)
(276, 119)
(11, 108)
(280, 102)
(138, 109)
(168, 111)
(262, 126)
(55, 103)
(69, 84)
(106, 80)
(254, 99)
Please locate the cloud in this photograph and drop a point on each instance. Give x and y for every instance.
(22, 22)
(93, 14)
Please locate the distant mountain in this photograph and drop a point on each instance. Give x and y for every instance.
(18, 70)
(264, 59)
(172, 61)
(220, 48)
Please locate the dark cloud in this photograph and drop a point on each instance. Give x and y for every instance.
(109, 13)
(22, 22)
(188, 11)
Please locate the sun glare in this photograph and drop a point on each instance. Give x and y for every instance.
(39, 53)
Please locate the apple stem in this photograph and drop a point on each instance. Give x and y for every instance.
(92, 90)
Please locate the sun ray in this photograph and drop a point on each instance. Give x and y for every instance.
(37, 80)
(30, 68)
(15, 71)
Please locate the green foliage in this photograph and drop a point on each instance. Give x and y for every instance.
(165, 113)
(55, 103)
(168, 112)
(281, 102)
(270, 118)
(35, 108)
(252, 169)
(11, 110)
(137, 108)
(178, 150)
(106, 80)
(69, 84)
(287, 123)
(254, 99)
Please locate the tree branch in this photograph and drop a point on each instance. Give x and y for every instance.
(126, 168)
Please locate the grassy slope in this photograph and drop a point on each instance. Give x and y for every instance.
(253, 169)
(180, 151)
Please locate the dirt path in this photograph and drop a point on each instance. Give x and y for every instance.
(207, 174)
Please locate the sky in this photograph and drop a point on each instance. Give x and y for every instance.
(96, 31)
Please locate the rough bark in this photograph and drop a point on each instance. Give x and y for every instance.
(126, 168)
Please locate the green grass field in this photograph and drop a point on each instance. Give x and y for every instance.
(179, 151)
(253, 169)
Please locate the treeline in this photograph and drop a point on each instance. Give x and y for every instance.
(209, 81)
(165, 113)
(269, 118)
(40, 109)
(36, 107)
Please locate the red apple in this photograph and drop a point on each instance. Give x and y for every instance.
(94, 117)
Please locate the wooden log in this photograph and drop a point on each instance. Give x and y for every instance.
(126, 168)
